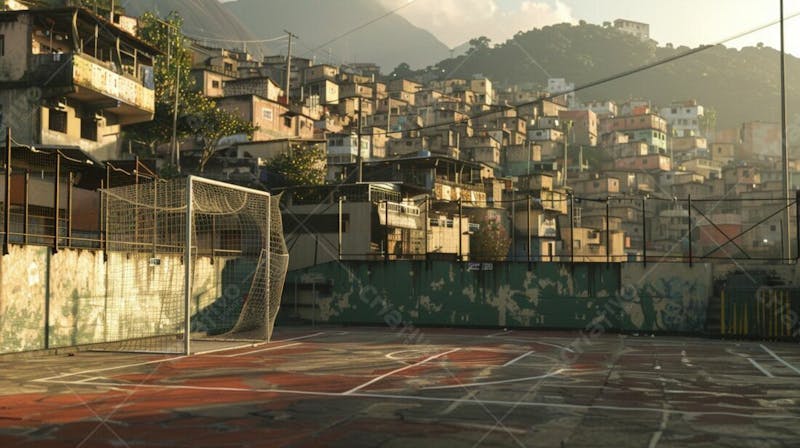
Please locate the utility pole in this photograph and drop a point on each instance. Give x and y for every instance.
(786, 247)
(567, 126)
(289, 64)
(359, 158)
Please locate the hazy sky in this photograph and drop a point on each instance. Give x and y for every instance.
(681, 22)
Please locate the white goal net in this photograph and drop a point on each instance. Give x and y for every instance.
(191, 258)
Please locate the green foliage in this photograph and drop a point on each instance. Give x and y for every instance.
(490, 242)
(302, 166)
(211, 123)
(741, 85)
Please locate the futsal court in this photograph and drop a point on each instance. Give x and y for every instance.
(364, 387)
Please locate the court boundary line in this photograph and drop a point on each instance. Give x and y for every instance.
(522, 356)
(760, 368)
(536, 404)
(144, 363)
(779, 359)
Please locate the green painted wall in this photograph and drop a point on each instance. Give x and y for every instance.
(628, 297)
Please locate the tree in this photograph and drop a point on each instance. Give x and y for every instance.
(210, 124)
(478, 44)
(403, 70)
(198, 114)
(302, 165)
(491, 241)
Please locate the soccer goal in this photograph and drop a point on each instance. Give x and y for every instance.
(191, 259)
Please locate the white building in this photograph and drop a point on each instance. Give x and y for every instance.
(684, 117)
(559, 86)
(600, 108)
(638, 29)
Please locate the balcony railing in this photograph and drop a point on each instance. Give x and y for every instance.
(101, 78)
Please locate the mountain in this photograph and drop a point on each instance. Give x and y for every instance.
(203, 19)
(740, 85)
(325, 30)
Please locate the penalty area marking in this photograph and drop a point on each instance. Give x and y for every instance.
(760, 368)
(489, 383)
(388, 374)
(518, 358)
(779, 359)
(262, 350)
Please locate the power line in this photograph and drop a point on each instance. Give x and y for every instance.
(614, 77)
(363, 25)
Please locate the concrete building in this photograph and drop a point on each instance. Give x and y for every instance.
(638, 29)
(684, 118)
(583, 130)
(60, 89)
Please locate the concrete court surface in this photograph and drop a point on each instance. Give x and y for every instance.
(365, 387)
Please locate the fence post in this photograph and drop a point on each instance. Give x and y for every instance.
(7, 200)
(386, 231)
(69, 209)
(26, 211)
(460, 229)
(513, 224)
(608, 231)
(56, 201)
(571, 228)
(100, 215)
(644, 230)
(797, 222)
(689, 200)
(339, 236)
(528, 231)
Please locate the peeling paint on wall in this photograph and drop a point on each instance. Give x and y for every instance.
(671, 298)
(86, 308)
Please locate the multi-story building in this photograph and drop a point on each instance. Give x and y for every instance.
(646, 127)
(65, 84)
(684, 118)
(559, 87)
(583, 130)
(638, 29)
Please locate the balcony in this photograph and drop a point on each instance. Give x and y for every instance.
(94, 82)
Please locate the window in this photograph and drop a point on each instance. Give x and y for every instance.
(215, 84)
(88, 129)
(266, 114)
(58, 120)
(228, 67)
(2, 44)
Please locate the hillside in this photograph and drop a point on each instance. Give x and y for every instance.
(202, 18)
(740, 85)
(386, 42)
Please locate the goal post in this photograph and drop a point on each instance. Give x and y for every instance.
(191, 258)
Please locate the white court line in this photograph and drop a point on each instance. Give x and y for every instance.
(780, 360)
(661, 427)
(224, 349)
(263, 350)
(144, 363)
(768, 416)
(498, 333)
(759, 367)
(488, 383)
(378, 378)
(518, 358)
(105, 369)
